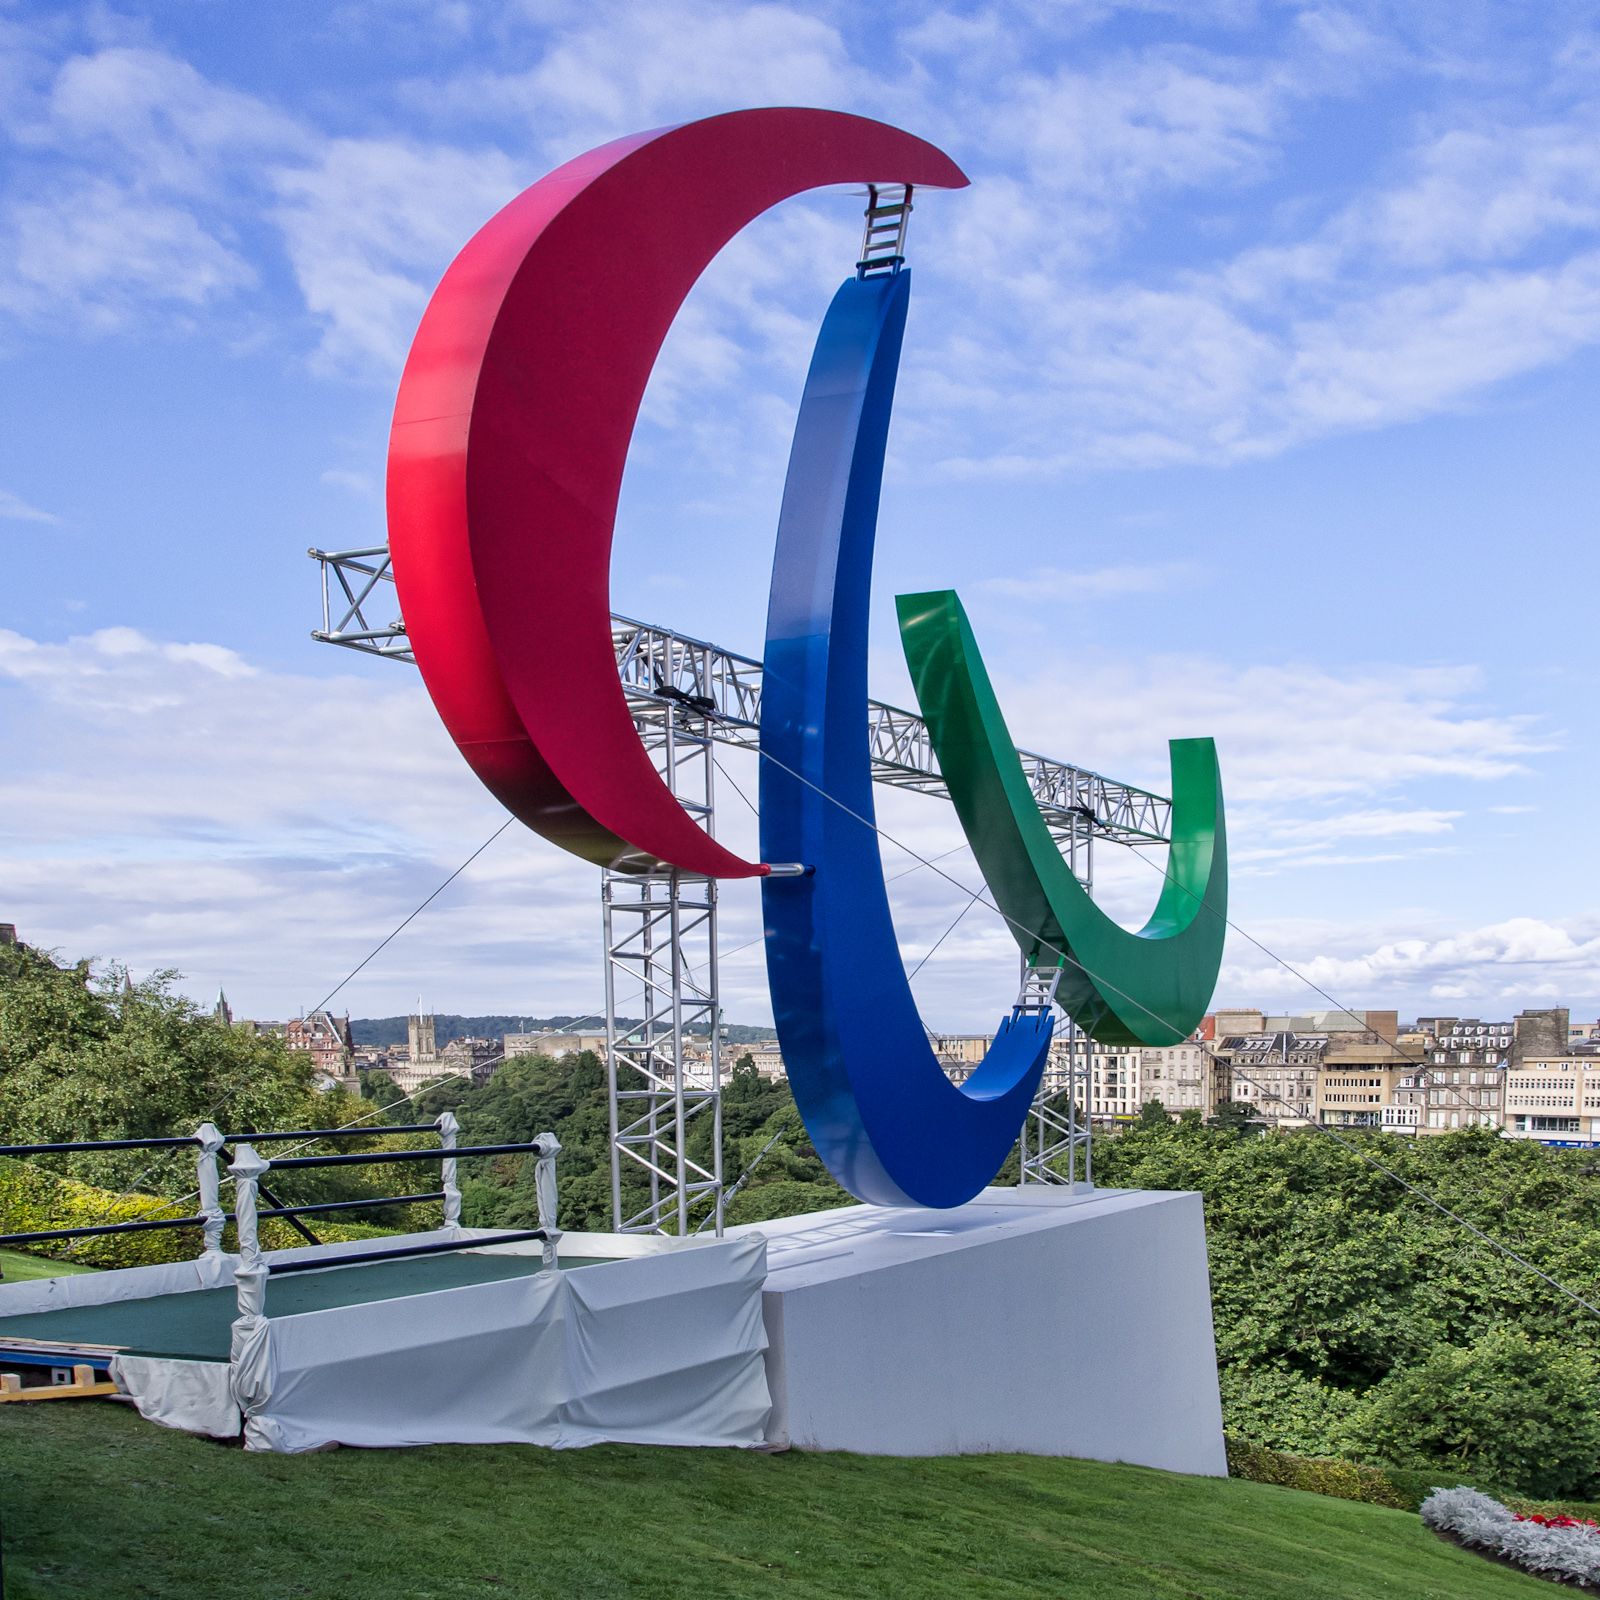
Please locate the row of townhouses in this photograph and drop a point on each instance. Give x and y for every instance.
(1536, 1076)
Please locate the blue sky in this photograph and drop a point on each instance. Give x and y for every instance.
(1250, 390)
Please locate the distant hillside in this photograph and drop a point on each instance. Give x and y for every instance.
(448, 1025)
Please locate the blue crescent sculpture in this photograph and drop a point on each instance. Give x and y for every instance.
(888, 1123)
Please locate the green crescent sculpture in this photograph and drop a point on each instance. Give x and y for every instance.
(1148, 987)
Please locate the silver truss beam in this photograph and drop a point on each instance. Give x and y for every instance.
(1057, 1128)
(659, 667)
(357, 574)
(686, 694)
(1054, 1122)
(661, 942)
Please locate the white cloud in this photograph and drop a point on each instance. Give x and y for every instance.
(1151, 377)
(98, 251)
(1480, 193)
(1288, 735)
(1140, 123)
(1432, 346)
(1284, 839)
(1472, 259)
(620, 68)
(154, 113)
(371, 224)
(121, 156)
(1372, 824)
(1510, 962)
(180, 807)
(13, 508)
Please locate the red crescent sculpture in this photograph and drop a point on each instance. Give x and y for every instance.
(510, 433)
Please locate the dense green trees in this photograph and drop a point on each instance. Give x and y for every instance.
(1507, 1409)
(85, 1056)
(532, 1094)
(1353, 1317)
(98, 1057)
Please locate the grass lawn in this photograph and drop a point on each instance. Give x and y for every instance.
(96, 1502)
(18, 1267)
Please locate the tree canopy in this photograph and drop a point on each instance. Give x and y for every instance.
(87, 1055)
(1352, 1317)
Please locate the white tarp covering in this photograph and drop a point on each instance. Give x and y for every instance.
(121, 1283)
(192, 1395)
(658, 1348)
(912, 1332)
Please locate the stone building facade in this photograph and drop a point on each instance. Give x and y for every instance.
(328, 1041)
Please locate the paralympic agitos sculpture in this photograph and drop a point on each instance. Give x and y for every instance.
(510, 434)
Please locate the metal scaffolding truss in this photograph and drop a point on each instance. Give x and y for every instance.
(658, 666)
(1055, 1144)
(1057, 1127)
(660, 932)
(350, 579)
(661, 943)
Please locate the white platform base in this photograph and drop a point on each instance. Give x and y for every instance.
(1032, 1320)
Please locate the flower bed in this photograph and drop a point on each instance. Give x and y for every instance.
(1551, 1546)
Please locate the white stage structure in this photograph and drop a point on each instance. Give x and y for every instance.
(536, 1337)
(912, 1332)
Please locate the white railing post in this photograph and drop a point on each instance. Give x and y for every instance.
(250, 1276)
(249, 1353)
(209, 1184)
(544, 1189)
(448, 1129)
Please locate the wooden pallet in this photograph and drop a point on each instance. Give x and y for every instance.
(83, 1387)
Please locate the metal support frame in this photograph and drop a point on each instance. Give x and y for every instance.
(661, 942)
(660, 667)
(1058, 1123)
(661, 931)
(357, 574)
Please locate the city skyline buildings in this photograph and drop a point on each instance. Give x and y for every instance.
(1535, 1077)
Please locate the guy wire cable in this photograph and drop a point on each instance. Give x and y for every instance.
(1180, 1038)
(217, 1108)
(1429, 1067)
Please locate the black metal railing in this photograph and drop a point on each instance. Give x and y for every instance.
(351, 1158)
(400, 1252)
(39, 1235)
(291, 1214)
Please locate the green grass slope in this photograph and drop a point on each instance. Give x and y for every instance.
(18, 1268)
(96, 1502)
